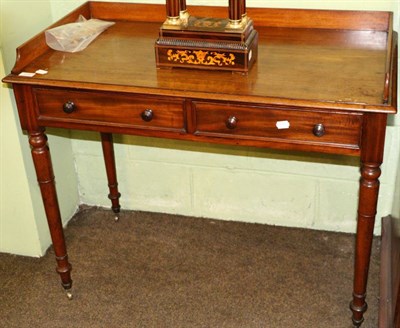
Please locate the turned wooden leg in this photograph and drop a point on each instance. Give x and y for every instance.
(369, 188)
(374, 126)
(109, 159)
(45, 176)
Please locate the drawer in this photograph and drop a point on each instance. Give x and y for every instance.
(123, 110)
(278, 125)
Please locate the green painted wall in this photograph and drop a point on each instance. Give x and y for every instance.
(222, 182)
(16, 209)
(23, 226)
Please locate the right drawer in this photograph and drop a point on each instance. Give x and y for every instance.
(290, 125)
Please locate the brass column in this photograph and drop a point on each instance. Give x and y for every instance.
(182, 5)
(173, 9)
(243, 10)
(235, 11)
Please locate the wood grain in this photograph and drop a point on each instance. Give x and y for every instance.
(308, 65)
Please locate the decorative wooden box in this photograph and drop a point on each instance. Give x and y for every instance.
(207, 43)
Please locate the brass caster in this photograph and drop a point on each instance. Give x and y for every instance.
(69, 295)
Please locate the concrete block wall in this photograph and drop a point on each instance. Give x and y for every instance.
(244, 184)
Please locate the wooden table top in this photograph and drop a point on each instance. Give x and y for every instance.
(314, 67)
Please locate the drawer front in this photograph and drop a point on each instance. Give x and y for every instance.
(125, 110)
(289, 125)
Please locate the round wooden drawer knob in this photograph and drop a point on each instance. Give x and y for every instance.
(147, 115)
(69, 107)
(231, 122)
(319, 130)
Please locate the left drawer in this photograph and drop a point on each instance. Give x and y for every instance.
(112, 109)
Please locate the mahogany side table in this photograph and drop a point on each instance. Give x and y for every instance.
(324, 81)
